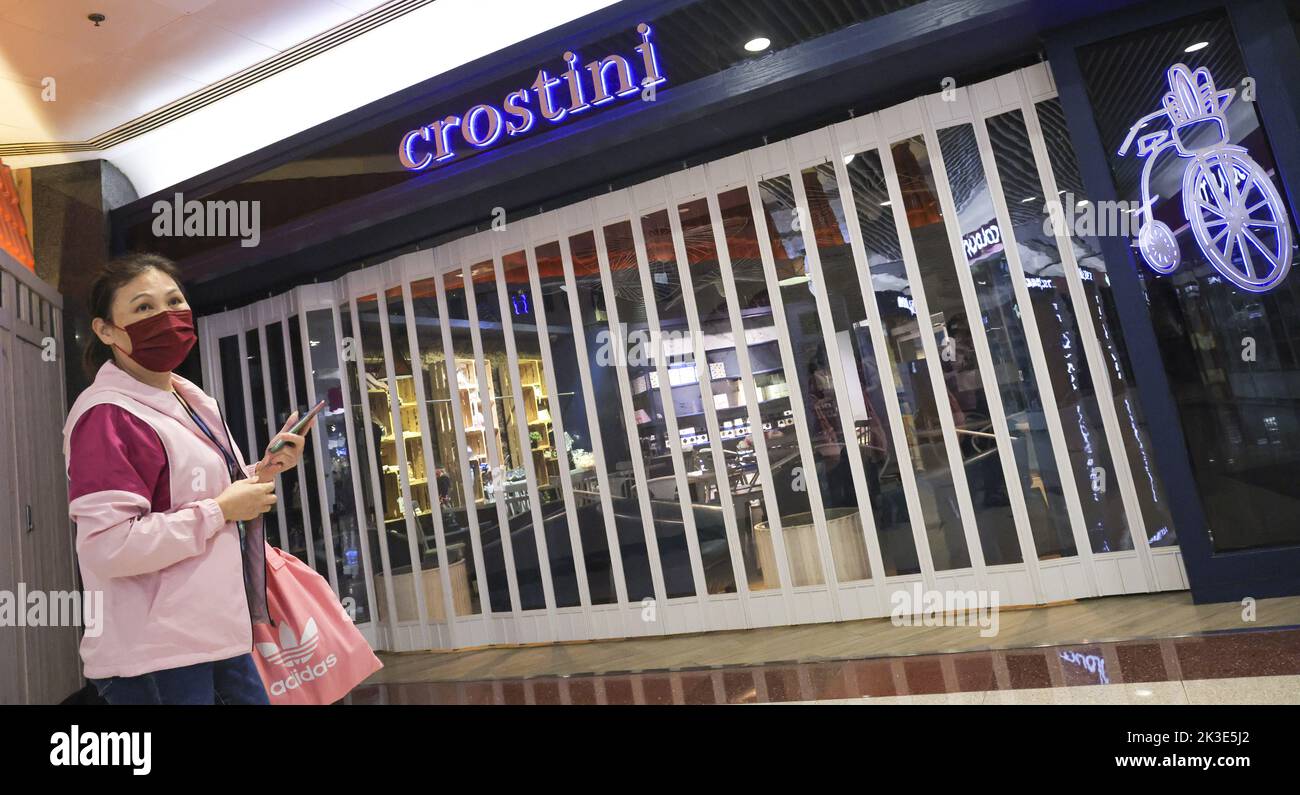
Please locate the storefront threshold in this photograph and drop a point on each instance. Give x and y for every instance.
(1110, 619)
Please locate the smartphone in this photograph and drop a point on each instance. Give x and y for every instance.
(298, 427)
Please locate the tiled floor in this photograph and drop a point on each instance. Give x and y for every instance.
(1076, 624)
(1223, 666)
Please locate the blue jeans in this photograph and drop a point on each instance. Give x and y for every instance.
(232, 681)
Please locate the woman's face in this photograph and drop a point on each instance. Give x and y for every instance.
(144, 296)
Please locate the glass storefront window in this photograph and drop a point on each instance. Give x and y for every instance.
(534, 420)
(909, 368)
(603, 361)
(332, 438)
(1076, 397)
(473, 403)
(746, 488)
(652, 428)
(507, 486)
(260, 437)
(1229, 352)
(309, 499)
(295, 533)
(789, 475)
(232, 389)
(855, 357)
(949, 325)
(991, 274)
(574, 453)
(439, 425)
(832, 470)
(385, 434)
(694, 445)
(1105, 320)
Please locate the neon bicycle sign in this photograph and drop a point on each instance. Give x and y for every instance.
(1234, 212)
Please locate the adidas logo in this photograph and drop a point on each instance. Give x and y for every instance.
(292, 650)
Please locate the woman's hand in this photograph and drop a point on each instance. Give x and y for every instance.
(245, 500)
(288, 456)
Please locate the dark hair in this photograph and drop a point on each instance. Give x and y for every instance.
(104, 287)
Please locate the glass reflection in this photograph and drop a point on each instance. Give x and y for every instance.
(613, 425)
(652, 428)
(295, 535)
(508, 485)
(568, 409)
(855, 356)
(747, 490)
(963, 396)
(1009, 347)
(473, 402)
(832, 471)
(386, 434)
(789, 478)
(1054, 311)
(535, 420)
(1105, 319)
(694, 444)
(310, 499)
(331, 436)
(260, 436)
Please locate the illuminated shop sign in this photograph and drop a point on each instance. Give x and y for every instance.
(985, 240)
(1234, 212)
(577, 89)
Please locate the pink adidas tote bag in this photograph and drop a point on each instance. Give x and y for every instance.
(314, 654)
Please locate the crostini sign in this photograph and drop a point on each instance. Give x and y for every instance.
(576, 90)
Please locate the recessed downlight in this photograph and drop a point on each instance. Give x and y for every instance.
(758, 44)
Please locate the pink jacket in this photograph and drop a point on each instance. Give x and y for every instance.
(142, 479)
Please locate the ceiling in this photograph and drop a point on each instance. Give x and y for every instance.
(145, 55)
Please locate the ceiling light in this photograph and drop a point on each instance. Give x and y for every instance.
(886, 203)
(1200, 45)
(848, 159)
(1027, 201)
(758, 44)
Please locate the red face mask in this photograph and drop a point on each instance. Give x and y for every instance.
(161, 342)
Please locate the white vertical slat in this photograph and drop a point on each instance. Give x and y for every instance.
(753, 413)
(670, 410)
(521, 431)
(557, 429)
(349, 424)
(812, 251)
(403, 467)
(1091, 346)
(467, 262)
(983, 356)
(467, 481)
(957, 470)
(884, 363)
(426, 447)
(593, 424)
(705, 380)
(811, 480)
(1041, 374)
(317, 441)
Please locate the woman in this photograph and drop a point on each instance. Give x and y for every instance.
(167, 513)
